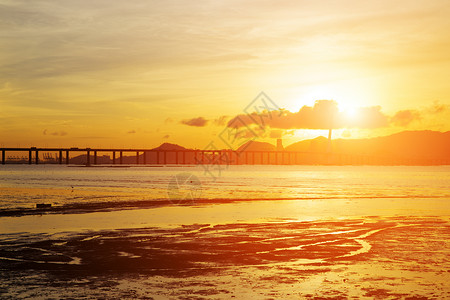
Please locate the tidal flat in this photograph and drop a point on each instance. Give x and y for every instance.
(372, 257)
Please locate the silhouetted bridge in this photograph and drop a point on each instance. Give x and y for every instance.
(90, 156)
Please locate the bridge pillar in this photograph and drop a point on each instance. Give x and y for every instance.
(145, 158)
(114, 157)
(88, 158)
(29, 157)
(3, 157)
(60, 157)
(37, 157)
(121, 157)
(95, 157)
(137, 157)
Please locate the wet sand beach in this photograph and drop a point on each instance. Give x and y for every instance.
(397, 257)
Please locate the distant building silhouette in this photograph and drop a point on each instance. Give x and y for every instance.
(329, 140)
(280, 145)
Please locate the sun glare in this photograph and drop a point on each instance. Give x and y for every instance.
(350, 112)
(349, 95)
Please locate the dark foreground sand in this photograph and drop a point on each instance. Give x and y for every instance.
(371, 257)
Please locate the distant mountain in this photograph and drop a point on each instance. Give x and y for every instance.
(319, 144)
(169, 147)
(400, 146)
(257, 146)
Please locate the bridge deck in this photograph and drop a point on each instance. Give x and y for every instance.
(196, 156)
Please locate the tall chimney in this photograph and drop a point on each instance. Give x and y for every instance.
(329, 140)
(280, 145)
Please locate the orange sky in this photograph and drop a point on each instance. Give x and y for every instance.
(127, 74)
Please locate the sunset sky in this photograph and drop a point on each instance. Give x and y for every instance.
(140, 73)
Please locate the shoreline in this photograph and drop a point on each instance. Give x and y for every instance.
(106, 206)
(231, 211)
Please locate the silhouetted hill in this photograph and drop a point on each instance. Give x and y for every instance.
(421, 144)
(257, 146)
(425, 145)
(319, 144)
(169, 146)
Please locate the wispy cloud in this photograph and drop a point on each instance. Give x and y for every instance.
(54, 133)
(405, 117)
(196, 122)
(221, 121)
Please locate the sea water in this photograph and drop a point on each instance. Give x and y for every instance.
(23, 186)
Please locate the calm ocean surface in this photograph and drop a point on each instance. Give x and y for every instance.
(26, 185)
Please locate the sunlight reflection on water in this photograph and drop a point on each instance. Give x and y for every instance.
(24, 186)
(241, 212)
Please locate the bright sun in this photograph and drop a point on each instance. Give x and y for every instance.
(349, 95)
(350, 111)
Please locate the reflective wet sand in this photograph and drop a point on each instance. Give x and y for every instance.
(259, 249)
(369, 257)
